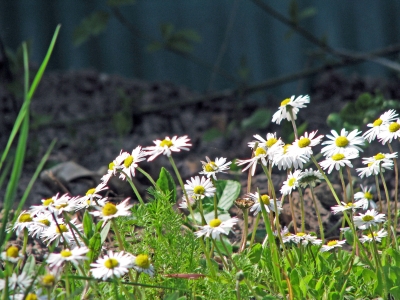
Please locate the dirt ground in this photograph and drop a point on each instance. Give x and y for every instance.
(93, 116)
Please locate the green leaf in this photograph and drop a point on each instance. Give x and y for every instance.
(334, 121)
(255, 253)
(88, 225)
(333, 296)
(120, 2)
(166, 183)
(227, 244)
(92, 25)
(260, 119)
(211, 134)
(349, 237)
(166, 30)
(104, 232)
(227, 192)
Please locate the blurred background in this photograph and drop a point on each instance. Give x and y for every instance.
(204, 45)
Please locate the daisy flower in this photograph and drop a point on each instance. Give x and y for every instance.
(41, 222)
(266, 201)
(210, 168)
(46, 203)
(259, 154)
(306, 239)
(389, 132)
(338, 161)
(130, 161)
(12, 254)
(61, 232)
(310, 178)
(287, 236)
(141, 264)
(378, 124)
(331, 245)
(343, 142)
(365, 197)
(293, 104)
(111, 265)
(50, 278)
(292, 182)
(25, 220)
(285, 159)
(370, 218)
(63, 203)
(113, 168)
(184, 203)
(74, 256)
(347, 206)
(167, 146)
(110, 210)
(200, 187)
(215, 227)
(303, 145)
(270, 144)
(376, 164)
(22, 282)
(377, 236)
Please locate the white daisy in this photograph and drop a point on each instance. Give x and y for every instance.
(74, 256)
(376, 164)
(285, 159)
(41, 222)
(210, 168)
(50, 278)
(12, 254)
(292, 182)
(17, 282)
(347, 206)
(46, 203)
(306, 239)
(377, 236)
(110, 210)
(259, 154)
(113, 168)
(303, 145)
(365, 197)
(215, 227)
(184, 203)
(286, 105)
(111, 265)
(370, 218)
(200, 187)
(25, 220)
(338, 161)
(389, 132)
(270, 144)
(343, 142)
(63, 203)
(331, 245)
(310, 178)
(167, 146)
(266, 200)
(62, 232)
(287, 236)
(130, 161)
(141, 264)
(376, 127)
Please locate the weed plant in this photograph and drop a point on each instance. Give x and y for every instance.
(151, 249)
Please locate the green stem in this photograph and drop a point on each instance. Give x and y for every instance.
(245, 229)
(350, 179)
(303, 216)
(378, 191)
(388, 204)
(133, 188)
(289, 109)
(253, 235)
(203, 220)
(396, 190)
(343, 185)
(321, 227)
(147, 176)
(220, 254)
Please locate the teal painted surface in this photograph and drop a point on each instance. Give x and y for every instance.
(353, 25)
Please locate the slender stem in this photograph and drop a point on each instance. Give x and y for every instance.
(208, 259)
(147, 176)
(292, 212)
(321, 227)
(245, 229)
(396, 189)
(67, 286)
(303, 216)
(133, 188)
(343, 185)
(215, 201)
(253, 235)
(378, 191)
(350, 183)
(289, 109)
(220, 254)
(388, 205)
(203, 220)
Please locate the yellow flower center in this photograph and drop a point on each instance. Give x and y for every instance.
(215, 223)
(111, 263)
(393, 127)
(300, 234)
(210, 167)
(332, 243)
(286, 148)
(304, 142)
(66, 253)
(48, 280)
(62, 205)
(48, 201)
(31, 296)
(349, 204)
(370, 164)
(265, 199)
(45, 222)
(377, 122)
(367, 218)
(12, 251)
(285, 102)
(25, 218)
(271, 142)
(338, 156)
(291, 181)
(128, 161)
(61, 228)
(368, 195)
(260, 151)
(374, 234)
(111, 165)
(142, 260)
(379, 156)
(109, 209)
(199, 190)
(90, 192)
(342, 141)
(167, 143)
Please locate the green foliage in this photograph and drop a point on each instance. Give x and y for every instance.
(260, 119)
(362, 111)
(92, 25)
(167, 184)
